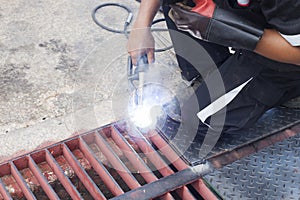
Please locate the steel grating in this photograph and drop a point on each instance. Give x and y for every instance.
(274, 120)
(102, 164)
(273, 173)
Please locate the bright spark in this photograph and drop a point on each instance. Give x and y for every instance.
(145, 116)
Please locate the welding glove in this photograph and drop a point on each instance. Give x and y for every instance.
(208, 22)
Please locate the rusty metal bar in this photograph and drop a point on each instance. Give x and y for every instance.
(160, 164)
(180, 164)
(65, 181)
(153, 156)
(132, 156)
(229, 156)
(168, 183)
(116, 162)
(135, 159)
(81, 173)
(166, 149)
(21, 182)
(5, 194)
(110, 182)
(41, 178)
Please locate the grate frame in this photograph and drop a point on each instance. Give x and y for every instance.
(116, 145)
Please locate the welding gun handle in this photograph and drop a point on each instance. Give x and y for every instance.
(129, 68)
(142, 64)
(143, 60)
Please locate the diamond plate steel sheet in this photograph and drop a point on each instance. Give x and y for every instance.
(272, 121)
(273, 173)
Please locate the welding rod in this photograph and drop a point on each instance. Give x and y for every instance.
(140, 87)
(142, 67)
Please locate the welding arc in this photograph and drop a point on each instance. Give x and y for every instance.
(127, 23)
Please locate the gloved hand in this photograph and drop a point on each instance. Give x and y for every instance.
(208, 22)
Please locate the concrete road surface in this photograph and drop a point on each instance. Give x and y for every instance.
(60, 73)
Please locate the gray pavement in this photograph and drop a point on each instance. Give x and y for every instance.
(59, 73)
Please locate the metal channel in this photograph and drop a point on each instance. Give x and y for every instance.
(5, 194)
(160, 164)
(116, 162)
(65, 181)
(81, 173)
(272, 173)
(110, 182)
(21, 182)
(222, 159)
(41, 178)
(273, 121)
(135, 159)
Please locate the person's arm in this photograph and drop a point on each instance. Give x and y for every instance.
(141, 40)
(211, 23)
(147, 12)
(283, 42)
(273, 46)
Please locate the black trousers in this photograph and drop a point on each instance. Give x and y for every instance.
(270, 83)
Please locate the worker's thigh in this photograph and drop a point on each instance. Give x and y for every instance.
(206, 55)
(265, 88)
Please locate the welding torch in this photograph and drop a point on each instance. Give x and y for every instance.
(137, 73)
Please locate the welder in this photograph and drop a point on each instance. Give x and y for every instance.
(255, 45)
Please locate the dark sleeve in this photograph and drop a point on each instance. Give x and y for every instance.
(283, 15)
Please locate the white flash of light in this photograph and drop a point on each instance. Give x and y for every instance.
(145, 115)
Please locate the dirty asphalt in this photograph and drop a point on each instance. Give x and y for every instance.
(60, 72)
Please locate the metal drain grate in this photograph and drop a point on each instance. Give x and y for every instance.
(102, 164)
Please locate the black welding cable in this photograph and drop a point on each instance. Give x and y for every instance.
(160, 39)
(127, 22)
